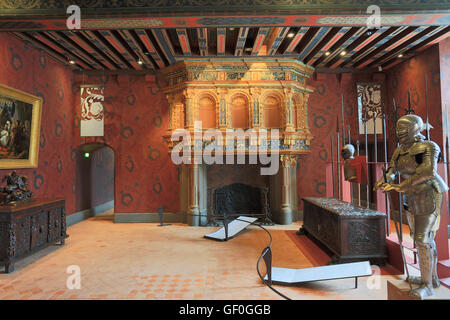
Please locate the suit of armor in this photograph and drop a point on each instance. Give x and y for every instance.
(416, 162)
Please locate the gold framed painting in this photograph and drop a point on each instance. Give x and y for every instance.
(20, 126)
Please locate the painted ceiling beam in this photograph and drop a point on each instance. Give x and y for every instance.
(384, 48)
(240, 42)
(99, 43)
(151, 48)
(136, 48)
(295, 40)
(368, 45)
(58, 48)
(429, 41)
(381, 42)
(359, 38)
(313, 42)
(394, 40)
(202, 34)
(259, 40)
(164, 43)
(335, 50)
(72, 47)
(276, 37)
(391, 53)
(184, 41)
(80, 40)
(123, 52)
(221, 40)
(332, 36)
(441, 35)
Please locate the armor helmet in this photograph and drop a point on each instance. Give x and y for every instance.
(408, 128)
(348, 151)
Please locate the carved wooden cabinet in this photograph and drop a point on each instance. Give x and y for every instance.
(28, 227)
(350, 232)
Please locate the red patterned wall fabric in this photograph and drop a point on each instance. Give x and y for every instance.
(410, 75)
(136, 118)
(26, 69)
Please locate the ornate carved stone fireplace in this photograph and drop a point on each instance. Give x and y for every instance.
(240, 94)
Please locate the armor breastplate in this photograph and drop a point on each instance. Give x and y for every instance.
(406, 164)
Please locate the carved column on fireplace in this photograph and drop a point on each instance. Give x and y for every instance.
(224, 121)
(256, 113)
(194, 209)
(189, 97)
(287, 162)
(289, 119)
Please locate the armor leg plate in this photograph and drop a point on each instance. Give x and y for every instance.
(426, 265)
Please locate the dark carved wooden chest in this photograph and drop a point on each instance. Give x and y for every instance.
(30, 226)
(350, 232)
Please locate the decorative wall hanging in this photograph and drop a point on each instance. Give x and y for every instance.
(369, 107)
(20, 125)
(92, 111)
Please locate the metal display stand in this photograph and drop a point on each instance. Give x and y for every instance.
(230, 230)
(285, 276)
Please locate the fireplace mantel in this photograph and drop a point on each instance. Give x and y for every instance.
(238, 95)
(245, 93)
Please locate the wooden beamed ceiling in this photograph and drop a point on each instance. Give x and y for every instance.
(329, 47)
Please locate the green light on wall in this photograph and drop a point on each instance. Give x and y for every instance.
(86, 154)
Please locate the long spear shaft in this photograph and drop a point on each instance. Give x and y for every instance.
(426, 106)
(375, 142)
(343, 119)
(400, 242)
(367, 163)
(349, 135)
(351, 183)
(338, 166)
(332, 166)
(359, 185)
(385, 164)
(446, 148)
(400, 198)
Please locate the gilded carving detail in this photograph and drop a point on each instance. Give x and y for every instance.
(288, 160)
(272, 99)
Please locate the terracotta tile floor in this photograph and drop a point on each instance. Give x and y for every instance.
(145, 261)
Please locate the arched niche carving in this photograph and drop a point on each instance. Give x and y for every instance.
(272, 111)
(240, 111)
(206, 110)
